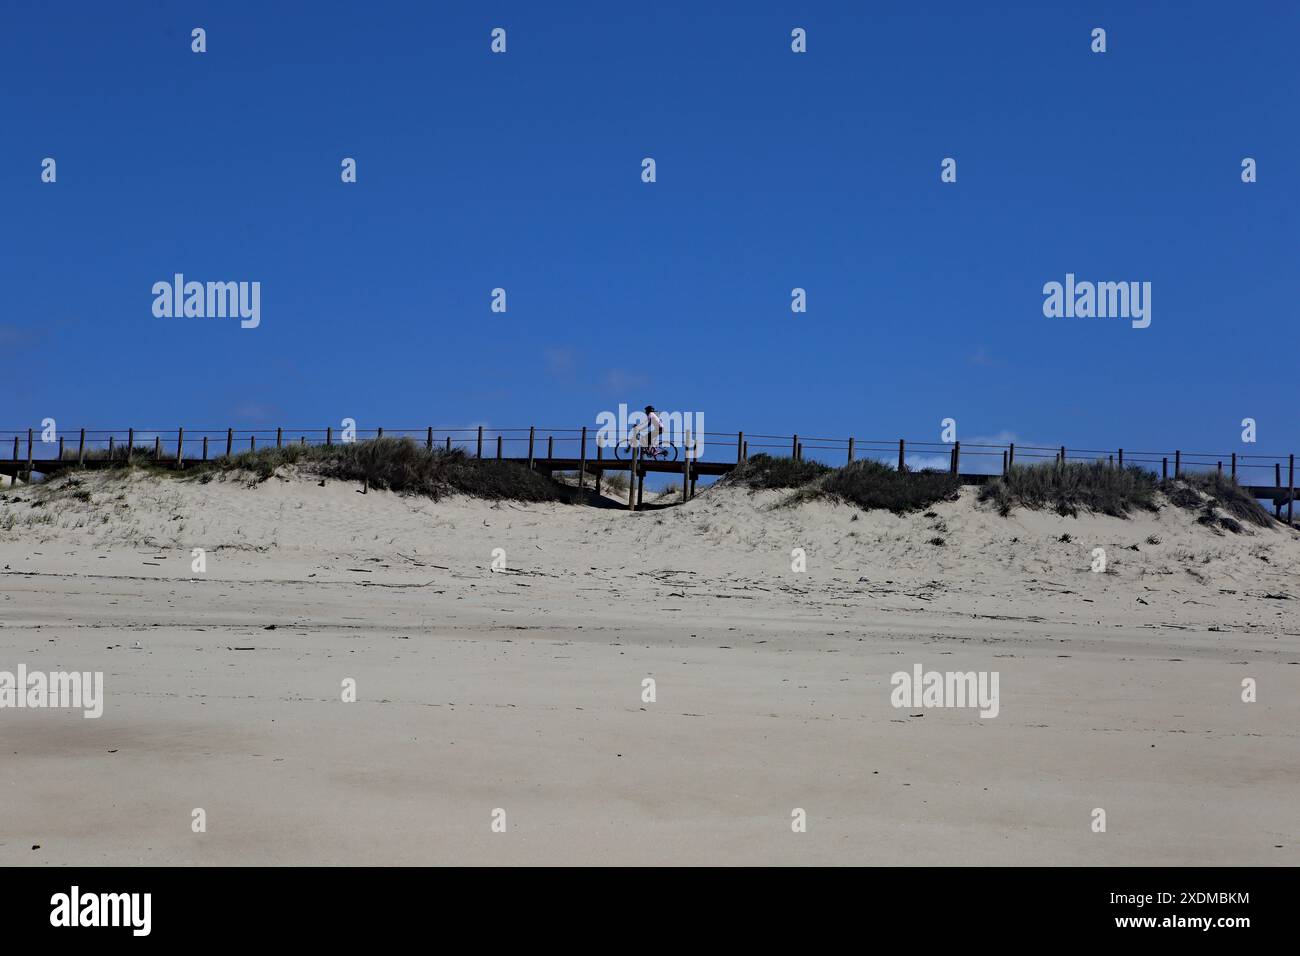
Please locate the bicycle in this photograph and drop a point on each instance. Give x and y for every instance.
(647, 450)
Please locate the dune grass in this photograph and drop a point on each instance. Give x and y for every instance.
(768, 472)
(867, 484)
(394, 464)
(1073, 487)
(1101, 488)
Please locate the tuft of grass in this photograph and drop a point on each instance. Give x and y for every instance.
(1223, 492)
(1073, 487)
(765, 471)
(873, 485)
(617, 481)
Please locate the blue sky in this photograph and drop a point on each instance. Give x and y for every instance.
(775, 170)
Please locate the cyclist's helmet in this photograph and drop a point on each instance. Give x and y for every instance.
(649, 409)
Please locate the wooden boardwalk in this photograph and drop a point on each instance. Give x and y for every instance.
(23, 453)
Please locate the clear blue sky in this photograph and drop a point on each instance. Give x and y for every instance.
(775, 170)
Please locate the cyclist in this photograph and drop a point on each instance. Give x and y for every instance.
(654, 426)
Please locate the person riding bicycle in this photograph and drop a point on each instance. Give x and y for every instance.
(654, 426)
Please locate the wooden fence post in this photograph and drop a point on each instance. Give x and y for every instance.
(379, 433)
(1220, 469)
(740, 448)
(130, 444)
(110, 448)
(448, 443)
(60, 448)
(329, 435)
(794, 447)
(532, 436)
(550, 446)
(81, 450)
(205, 447)
(1062, 456)
(1004, 461)
(1121, 459)
(1011, 455)
(428, 441)
(902, 446)
(956, 458)
(230, 441)
(498, 447)
(582, 462)
(252, 441)
(279, 438)
(1164, 469)
(1234, 466)
(1178, 464)
(479, 453)
(180, 448)
(850, 450)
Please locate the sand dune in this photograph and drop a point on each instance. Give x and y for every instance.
(521, 689)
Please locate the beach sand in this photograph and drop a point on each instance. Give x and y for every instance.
(521, 690)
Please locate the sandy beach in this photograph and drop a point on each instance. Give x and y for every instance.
(521, 689)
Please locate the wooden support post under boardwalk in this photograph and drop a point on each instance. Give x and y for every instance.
(600, 472)
(81, 450)
(582, 462)
(1290, 498)
(686, 468)
(532, 436)
(479, 453)
(631, 484)
(130, 444)
(850, 451)
(640, 489)
(29, 456)
(901, 446)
